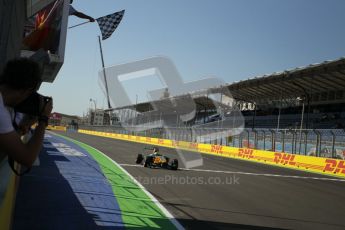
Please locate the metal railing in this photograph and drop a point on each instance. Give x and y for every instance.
(313, 142)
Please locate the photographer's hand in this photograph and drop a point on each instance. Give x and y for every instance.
(47, 109)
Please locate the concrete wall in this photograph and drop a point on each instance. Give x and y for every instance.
(12, 18)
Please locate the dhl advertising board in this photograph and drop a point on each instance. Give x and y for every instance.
(58, 128)
(327, 166)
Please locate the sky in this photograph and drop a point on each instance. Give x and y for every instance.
(229, 39)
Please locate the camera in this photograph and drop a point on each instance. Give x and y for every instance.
(33, 105)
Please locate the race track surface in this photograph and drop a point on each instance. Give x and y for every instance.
(233, 194)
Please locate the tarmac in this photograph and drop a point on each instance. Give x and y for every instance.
(76, 187)
(233, 194)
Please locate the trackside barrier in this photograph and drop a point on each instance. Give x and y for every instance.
(58, 128)
(326, 166)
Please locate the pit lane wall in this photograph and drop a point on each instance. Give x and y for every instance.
(326, 166)
(8, 187)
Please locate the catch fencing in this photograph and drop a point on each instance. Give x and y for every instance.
(329, 143)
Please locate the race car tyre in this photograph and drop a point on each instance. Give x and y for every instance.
(174, 164)
(140, 159)
(147, 162)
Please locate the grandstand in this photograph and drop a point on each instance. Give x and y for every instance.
(297, 111)
(317, 91)
(310, 97)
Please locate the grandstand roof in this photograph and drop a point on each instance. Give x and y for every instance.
(289, 84)
(323, 77)
(201, 102)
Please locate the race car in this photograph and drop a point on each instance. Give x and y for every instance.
(156, 160)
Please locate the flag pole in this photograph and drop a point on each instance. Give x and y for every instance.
(78, 25)
(105, 78)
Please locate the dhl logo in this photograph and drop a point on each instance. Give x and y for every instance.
(160, 141)
(175, 143)
(284, 158)
(334, 166)
(246, 153)
(216, 149)
(193, 146)
(148, 139)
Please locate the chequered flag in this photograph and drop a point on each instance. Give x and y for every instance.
(109, 23)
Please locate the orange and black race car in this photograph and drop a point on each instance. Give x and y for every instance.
(156, 160)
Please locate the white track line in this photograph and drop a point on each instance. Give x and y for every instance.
(164, 210)
(247, 173)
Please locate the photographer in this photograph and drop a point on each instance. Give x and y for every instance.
(19, 81)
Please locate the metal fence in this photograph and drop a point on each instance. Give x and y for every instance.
(317, 142)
